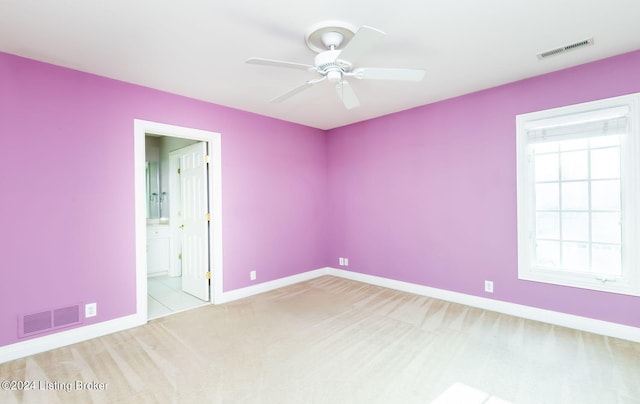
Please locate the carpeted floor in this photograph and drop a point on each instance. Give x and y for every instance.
(331, 340)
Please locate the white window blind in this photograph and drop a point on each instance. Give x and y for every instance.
(609, 121)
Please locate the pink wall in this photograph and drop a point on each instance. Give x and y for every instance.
(428, 196)
(67, 190)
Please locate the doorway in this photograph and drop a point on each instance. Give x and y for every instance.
(207, 276)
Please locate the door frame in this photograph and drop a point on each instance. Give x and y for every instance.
(213, 139)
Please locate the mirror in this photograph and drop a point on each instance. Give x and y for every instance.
(154, 195)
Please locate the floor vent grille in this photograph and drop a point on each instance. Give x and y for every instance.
(48, 320)
(566, 48)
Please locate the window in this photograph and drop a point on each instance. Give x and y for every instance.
(578, 173)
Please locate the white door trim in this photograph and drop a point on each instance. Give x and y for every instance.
(141, 128)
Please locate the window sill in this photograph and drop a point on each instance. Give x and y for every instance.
(618, 286)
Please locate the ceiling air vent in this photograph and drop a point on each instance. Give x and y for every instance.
(566, 48)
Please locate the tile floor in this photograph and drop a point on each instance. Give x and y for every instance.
(165, 296)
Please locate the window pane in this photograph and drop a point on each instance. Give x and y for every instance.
(604, 141)
(607, 259)
(575, 144)
(574, 165)
(575, 256)
(575, 226)
(548, 225)
(547, 147)
(547, 196)
(605, 195)
(605, 227)
(605, 163)
(575, 195)
(548, 254)
(547, 167)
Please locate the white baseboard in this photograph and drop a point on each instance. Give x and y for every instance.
(68, 337)
(532, 313)
(75, 335)
(270, 285)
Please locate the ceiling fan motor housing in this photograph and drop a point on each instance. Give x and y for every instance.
(326, 63)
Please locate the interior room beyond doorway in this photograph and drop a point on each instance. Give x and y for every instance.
(165, 294)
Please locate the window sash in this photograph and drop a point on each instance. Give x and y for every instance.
(562, 239)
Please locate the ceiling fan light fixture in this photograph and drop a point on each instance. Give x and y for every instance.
(334, 76)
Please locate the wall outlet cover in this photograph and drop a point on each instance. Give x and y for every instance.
(488, 286)
(90, 310)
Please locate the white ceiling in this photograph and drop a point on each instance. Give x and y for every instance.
(197, 48)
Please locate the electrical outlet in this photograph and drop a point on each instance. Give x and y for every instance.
(346, 262)
(341, 261)
(252, 275)
(90, 310)
(488, 286)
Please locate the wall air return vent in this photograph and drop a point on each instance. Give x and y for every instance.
(566, 48)
(48, 320)
(36, 322)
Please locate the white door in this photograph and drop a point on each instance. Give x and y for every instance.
(195, 224)
(175, 216)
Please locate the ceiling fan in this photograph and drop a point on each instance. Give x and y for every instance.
(339, 47)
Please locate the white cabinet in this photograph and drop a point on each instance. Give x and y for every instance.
(158, 249)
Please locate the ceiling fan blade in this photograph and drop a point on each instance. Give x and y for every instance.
(362, 41)
(296, 90)
(347, 95)
(366, 73)
(291, 92)
(278, 63)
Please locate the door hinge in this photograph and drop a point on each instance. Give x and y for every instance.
(206, 159)
(208, 217)
(208, 274)
(178, 171)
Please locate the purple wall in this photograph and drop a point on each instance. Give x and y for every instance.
(428, 196)
(67, 190)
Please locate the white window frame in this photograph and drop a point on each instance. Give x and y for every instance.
(629, 283)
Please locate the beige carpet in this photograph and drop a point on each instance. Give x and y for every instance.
(332, 340)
